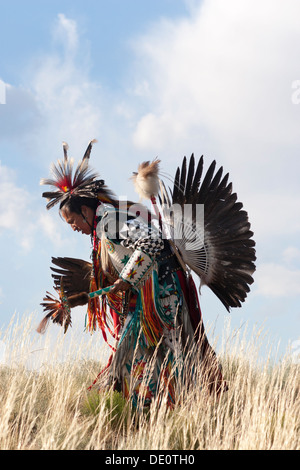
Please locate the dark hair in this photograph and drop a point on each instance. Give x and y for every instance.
(75, 203)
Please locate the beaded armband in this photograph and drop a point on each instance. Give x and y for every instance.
(136, 268)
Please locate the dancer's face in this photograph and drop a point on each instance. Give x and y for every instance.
(82, 223)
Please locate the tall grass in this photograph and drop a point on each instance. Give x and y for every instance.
(49, 407)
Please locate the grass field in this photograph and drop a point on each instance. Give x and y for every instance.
(48, 407)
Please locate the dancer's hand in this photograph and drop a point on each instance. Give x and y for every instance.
(120, 285)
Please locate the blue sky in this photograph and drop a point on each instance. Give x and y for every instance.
(152, 78)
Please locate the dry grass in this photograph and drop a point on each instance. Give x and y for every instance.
(50, 408)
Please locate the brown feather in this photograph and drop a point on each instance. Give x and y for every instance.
(78, 299)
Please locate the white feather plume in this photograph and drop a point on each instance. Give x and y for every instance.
(146, 180)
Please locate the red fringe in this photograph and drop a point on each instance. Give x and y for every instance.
(151, 326)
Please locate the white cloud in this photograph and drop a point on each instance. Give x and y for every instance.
(151, 130)
(15, 212)
(49, 225)
(65, 31)
(291, 255)
(13, 200)
(19, 216)
(274, 214)
(219, 83)
(227, 68)
(57, 101)
(275, 280)
(280, 278)
(68, 100)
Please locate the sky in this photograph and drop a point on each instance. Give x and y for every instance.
(164, 78)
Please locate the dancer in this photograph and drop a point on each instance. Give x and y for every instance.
(139, 287)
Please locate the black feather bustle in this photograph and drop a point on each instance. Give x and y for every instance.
(182, 183)
(190, 176)
(176, 189)
(228, 253)
(197, 179)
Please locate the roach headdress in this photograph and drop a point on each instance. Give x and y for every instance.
(84, 183)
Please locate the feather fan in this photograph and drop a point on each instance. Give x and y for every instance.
(72, 277)
(76, 275)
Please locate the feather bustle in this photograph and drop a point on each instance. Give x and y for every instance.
(224, 250)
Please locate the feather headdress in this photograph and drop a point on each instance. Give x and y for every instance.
(84, 182)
